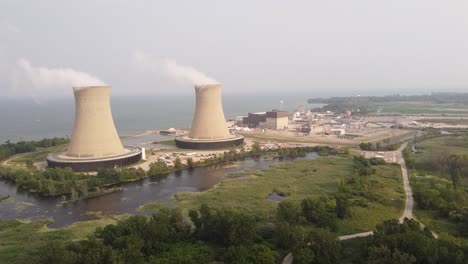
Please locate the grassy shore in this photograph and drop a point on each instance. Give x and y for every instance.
(36, 156)
(301, 179)
(21, 241)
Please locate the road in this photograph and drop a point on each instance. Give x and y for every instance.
(409, 203)
(394, 156)
(390, 156)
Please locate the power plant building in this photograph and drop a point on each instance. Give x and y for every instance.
(94, 141)
(209, 128)
(274, 120)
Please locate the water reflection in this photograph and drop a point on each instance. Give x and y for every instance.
(24, 205)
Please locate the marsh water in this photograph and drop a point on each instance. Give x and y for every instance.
(24, 205)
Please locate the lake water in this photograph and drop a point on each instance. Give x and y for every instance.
(26, 119)
(24, 205)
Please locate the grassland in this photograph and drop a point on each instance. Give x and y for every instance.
(428, 150)
(422, 108)
(20, 241)
(301, 179)
(445, 121)
(36, 156)
(297, 180)
(167, 142)
(452, 144)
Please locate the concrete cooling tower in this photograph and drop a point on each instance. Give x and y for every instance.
(94, 142)
(209, 128)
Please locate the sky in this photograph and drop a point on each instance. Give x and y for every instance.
(324, 48)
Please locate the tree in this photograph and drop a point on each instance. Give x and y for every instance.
(455, 166)
(343, 205)
(316, 212)
(54, 252)
(383, 255)
(288, 212)
(178, 164)
(190, 163)
(256, 148)
(224, 226)
(246, 254)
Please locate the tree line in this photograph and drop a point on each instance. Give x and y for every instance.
(378, 146)
(63, 181)
(304, 228)
(9, 149)
(212, 235)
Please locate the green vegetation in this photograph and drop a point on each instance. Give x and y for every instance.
(371, 191)
(436, 103)
(23, 241)
(422, 108)
(167, 142)
(9, 149)
(168, 237)
(36, 156)
(225, 235)
(229, 224)
(378, 147)
(297, 180)
(439, 176)
(58, 181)
(404, 243)
(446, 121)
(4, 198)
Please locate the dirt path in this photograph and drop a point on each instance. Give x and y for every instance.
(5, 162)
(396, 156)
(409, 203)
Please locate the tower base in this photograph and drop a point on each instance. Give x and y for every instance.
(60, 160)
(189, 143)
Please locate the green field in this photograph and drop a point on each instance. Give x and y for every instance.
(445, 121)
(20, 241)
(168, 142)
(248, 192)
(36, 156)
(428, 152)
(452, 144)
(421, 108)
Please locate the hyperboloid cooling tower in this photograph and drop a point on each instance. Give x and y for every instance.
(209, 129)
(94, 142)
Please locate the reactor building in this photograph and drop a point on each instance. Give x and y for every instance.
(209, 128)
(94, 141)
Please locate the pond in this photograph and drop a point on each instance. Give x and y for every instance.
(25, 205)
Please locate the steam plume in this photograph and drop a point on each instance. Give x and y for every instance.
(170, 68)
(28, 76)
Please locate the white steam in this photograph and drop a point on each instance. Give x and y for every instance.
(181, 72)
(170, 68)
(41, 79)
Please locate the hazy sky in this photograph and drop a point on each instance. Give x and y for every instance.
(316, 47)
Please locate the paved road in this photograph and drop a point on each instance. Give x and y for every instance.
(409, 202)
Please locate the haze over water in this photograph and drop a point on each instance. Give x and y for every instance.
(25, 119)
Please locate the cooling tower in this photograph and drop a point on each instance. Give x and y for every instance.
(94, 141)
(209, 128)
(94, 134)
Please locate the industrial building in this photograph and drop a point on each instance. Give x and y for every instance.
(94, 141)
(275, 120)
(209, 128)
